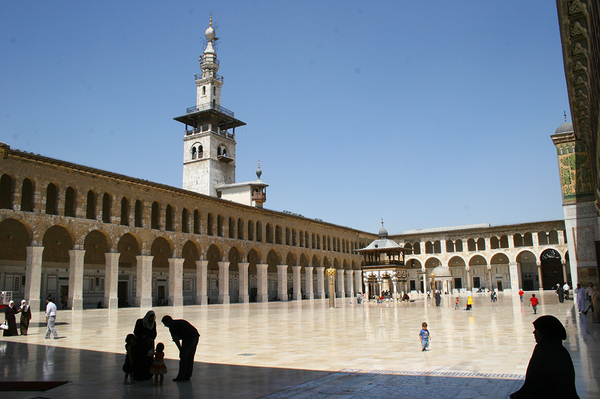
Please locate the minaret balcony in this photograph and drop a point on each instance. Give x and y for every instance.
(196, 130)
(204, 58)
(259, 196)
(206, 106)
(216, 76)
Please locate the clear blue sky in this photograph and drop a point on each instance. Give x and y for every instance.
(423, 113)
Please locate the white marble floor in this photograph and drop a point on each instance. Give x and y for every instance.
(304, 349)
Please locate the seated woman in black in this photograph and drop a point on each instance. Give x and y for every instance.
(550, 373)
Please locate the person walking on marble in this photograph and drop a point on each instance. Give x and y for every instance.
(580, 295)
(425, 337)
(533, 303)
(185, 337)
(521, 293)
(50, 318)
(25, 311)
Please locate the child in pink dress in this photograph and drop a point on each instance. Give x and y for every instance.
(159, 368)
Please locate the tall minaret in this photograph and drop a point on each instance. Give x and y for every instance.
(209, 141)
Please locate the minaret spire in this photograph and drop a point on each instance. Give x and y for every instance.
(209, 142)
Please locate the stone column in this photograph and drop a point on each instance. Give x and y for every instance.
(76, 257)
(33, 277)
(469, 282)
(358, 280)
(395, 289)
(297, 295)
(320, 282)
(308, 274)
(143, 291)
(489, 271)
(539, 267)
(564, 268)
(224, 283)
(111, 280)
(424, 280)
(201, 282)
(262, 283)
(282, 288)
(341, 291)
(176, 281)
(243, 295)
(514, 278)
(367, 292)
(349, 283)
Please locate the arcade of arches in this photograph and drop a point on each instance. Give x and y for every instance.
(86, 236)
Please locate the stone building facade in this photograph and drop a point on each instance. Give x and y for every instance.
(86, 236)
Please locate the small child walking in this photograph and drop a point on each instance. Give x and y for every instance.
(425, 337)
(456, 304)
(159, 368)
(534, 303)
(128, 366)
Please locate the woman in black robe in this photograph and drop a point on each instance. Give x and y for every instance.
(550, 373)
(9, 316)
(25, 311)
(145, 333)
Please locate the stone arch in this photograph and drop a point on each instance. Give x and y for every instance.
(413, 263)
(499, 258)
(161, 250)
(315, 261)
(553, 237)
(477, 260)
(304, 260)
(129, 247)
(290, 259)
(214, 256)
(7, 190)
(529, 270)
(432, 261)
(232, 227)
(28, 196)
(336, 263)
(15, 237)
(326, 262)
(234, 257)
(273, 259)
(552, 271)
(456, 261)
(254, 257)
(96, 244)
(190, 254)
(57, 242)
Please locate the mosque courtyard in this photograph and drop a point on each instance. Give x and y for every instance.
(304, 349)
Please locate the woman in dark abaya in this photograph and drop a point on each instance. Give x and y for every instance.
(145, 333)
(9, 316)
(550, 373)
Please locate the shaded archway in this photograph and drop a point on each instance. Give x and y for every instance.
(499, 271)
(552, 270)
(254, 257)
(526, 262)
(15, 237)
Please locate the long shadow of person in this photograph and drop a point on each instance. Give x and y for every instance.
(550, 373)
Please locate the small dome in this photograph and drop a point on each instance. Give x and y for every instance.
(441, 271)
(210, 33)
(383, 233)
(566, 127)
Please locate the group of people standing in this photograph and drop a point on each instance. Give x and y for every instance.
(592, 295)
(144, 360)
(10, 313)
